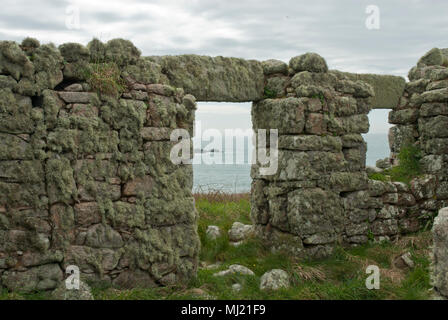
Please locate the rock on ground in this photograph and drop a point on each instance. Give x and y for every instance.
(408, 260)
(383, 163)
(213, 232)
(213, 266)
(62, 293)
(235, 269)
(440, 257)
(274, 280)
(236, 287)
(240, 231)
(372, 169)
(404, 261)
(200, 293)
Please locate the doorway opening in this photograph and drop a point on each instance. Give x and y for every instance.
(222, 147)
(377, 137)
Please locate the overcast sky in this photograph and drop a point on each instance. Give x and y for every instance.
(249, 29)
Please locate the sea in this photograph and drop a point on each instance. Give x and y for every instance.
(234, 177)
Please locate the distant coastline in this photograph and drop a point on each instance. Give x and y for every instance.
(235, 178)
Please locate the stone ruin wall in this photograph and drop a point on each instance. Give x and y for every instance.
(439, 267)
(321, 195)
(86, 178)
(421, 119)
(308, 205)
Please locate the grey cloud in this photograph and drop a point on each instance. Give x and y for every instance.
(106, 17)
(33, 16)
(265, 29)
(30, 24)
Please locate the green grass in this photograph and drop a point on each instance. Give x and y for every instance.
(408, 168)
(379, 176)
(339, 277)
(5, 295)
(222, 214)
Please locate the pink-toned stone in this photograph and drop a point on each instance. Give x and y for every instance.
(160, 89)
(75, 97)
(114, 180)
(87, 213)
(76, 87)
(314, 105)
(84, 110)
(139, 95)
(139, 86)
(155, 134)
(114, 191)
(138, 184)
(315, 124)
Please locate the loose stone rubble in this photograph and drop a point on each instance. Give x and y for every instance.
(213, 232)
(236, 287)
(404, 261)
(235, 269)
(62, 293)
(439, 268)
(240, 231)
(274, 280)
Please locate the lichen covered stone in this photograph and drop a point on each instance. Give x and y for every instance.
(308, 62)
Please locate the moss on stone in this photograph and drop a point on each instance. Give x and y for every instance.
(97, 51)
(22, 171)
(125, 215)
(74, 52)
(14, 147)
(76, 61)
(60, 181)
(7, 82)
(434, 57)
(144, 71)
(16, 194)
(308, 62)
(15, 113)
(122, 52)
(30, 43)
(14, 62)
(273, 66)
(47, 62)
(388, 89)
(51, 105)
(214, 79)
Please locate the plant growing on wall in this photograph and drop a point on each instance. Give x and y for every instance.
(407, 169)
(269, 94)
(319, 96)
(409, 158)
(105, 79)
